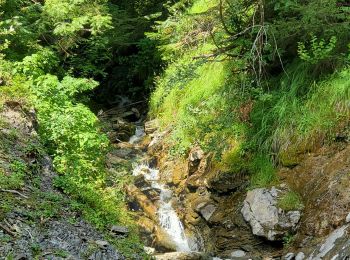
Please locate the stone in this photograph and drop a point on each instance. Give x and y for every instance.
(182, 256)
(289, 256)
(146, 224)
(196, 154)
(260, 210)
(336, 243)
(224, 181)
(145, 203)
(102, 243)
(347, 218)
(206, 210)
(194, 158)
(300, 256)
(149, 250)
(238, 253)
(119, 230)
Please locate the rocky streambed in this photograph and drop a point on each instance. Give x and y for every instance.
(189, 209)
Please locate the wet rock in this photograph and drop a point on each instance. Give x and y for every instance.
(115, 160)
(182, 256)
(145, 203)
(152, 194)
(163, 241)
(124, 153)
(260, 210)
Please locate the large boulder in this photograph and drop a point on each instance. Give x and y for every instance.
(266, 219)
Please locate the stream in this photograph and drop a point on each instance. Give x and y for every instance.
(167, 216)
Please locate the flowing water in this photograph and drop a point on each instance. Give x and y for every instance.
(139, 133)
(168, 219)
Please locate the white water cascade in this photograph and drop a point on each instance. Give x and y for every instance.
(168, 218)
(139, 133)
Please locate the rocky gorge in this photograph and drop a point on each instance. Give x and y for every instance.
(191, 209)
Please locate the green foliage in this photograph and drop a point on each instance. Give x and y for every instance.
(69, 127)
(37, 64)
(290, 201)
(319, 50)
(217, 104)
(288, 239)
(14, 179)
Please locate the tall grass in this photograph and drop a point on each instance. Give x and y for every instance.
(202, 102)
(293, 122)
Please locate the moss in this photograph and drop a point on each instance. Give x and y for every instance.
(290, 201)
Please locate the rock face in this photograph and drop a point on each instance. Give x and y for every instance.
(336, 245)
(265, 218)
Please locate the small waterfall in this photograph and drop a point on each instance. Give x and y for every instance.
(139, 133)
(171, 223)
(168, 218)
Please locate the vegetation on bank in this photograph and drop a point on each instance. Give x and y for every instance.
(257, 82)
(52, 55)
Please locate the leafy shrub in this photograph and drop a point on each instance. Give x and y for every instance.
(70, 128)
(319, 50)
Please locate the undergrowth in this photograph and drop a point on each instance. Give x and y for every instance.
(216, 102)
(72, 135)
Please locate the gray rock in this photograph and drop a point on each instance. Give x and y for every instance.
(238, 253)
(102, 243)
(206, 210)
(336, 245)
(260, 210)
(300, 256)
(119, 230)
(182, 256)
(348, 218)
(289, 256)
(196, 154)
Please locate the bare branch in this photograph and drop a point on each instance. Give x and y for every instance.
(15, 192)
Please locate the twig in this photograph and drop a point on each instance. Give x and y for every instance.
(15, 192)
(8, 231)
(47, 253)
